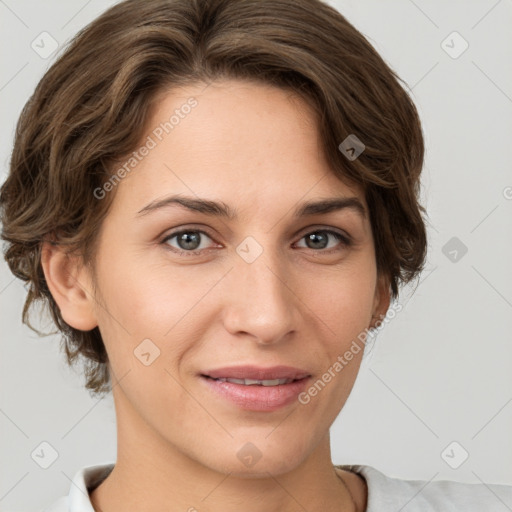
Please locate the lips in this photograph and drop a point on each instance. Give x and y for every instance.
(257, 373)
(264, 396)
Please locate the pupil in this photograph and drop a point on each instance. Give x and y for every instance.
(187, 238)
(314, 237)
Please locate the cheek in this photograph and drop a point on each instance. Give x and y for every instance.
(145, 294)
(343, 300)
(145, 300)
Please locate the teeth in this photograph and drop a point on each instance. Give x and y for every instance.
(252, 382)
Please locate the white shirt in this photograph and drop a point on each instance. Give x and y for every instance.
(385, 494)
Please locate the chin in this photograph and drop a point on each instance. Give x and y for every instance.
(256, 458)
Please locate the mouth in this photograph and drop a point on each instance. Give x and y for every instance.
(257, 374)
(254, 382)
(262, 390)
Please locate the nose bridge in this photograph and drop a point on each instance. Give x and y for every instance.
(262, 303)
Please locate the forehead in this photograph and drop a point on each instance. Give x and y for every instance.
(251, 145)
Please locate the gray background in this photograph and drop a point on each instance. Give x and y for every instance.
(440, 370)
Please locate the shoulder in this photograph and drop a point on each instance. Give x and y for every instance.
(390, 494)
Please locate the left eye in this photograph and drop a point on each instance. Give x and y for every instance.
(322, 240)
(189, 241)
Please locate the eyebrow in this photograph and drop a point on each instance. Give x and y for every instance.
(221, 209)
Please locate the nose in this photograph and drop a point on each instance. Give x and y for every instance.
(261, 302)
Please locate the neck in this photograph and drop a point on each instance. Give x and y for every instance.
(161, 477)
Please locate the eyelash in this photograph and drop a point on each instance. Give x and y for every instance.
(345, 241)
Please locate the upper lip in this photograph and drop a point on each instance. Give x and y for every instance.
(257, 372)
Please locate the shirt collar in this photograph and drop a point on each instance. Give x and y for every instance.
(85, 479)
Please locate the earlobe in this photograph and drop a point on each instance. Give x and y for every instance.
(69, 284)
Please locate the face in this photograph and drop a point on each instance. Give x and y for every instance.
(182, 292)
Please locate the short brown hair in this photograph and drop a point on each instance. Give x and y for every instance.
(92, 105)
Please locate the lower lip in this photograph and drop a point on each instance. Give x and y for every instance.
(258, 398)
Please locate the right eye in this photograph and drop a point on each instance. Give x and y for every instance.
(188, 241)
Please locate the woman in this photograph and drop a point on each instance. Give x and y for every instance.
(217, 200)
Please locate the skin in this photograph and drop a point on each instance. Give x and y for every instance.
(256, 148)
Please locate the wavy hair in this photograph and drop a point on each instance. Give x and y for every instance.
(91, 107)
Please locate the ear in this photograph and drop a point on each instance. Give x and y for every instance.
(69, 282)
(381, 300)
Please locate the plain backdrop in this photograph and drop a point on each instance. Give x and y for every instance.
(437, 387)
